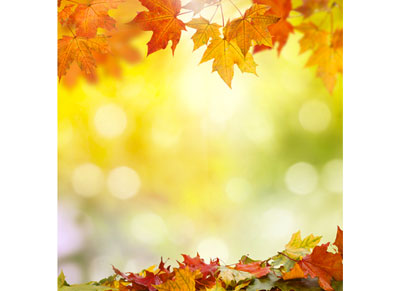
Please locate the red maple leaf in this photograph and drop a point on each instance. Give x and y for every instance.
(254, 268)
(162, 20)
(146, 282)
(320, 263)
(207, 270)
(339, 241)
(280, 30)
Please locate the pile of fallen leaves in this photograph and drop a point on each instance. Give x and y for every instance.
(90, 36)
(303, 265)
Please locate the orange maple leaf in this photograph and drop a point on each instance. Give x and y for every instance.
(121, 49)
(79, 49)
(252, 26)
(162, 20)
(88, 17)
(320, 263)
(280, 31)
(329, 60)
(310, 6)
(312, 36)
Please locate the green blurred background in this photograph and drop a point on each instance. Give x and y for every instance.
(169, 160)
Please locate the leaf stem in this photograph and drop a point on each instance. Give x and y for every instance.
(236, 7)
(190, 11)
(223, 18)
(281, 253)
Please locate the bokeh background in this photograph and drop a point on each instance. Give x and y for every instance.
(167, 160)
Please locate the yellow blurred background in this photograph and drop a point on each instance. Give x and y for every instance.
(169, 160)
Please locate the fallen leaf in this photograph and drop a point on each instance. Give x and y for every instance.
(254, 268)
(233, 277)
(339, 241)
(184, 280)
(320, 263)
(295, 249)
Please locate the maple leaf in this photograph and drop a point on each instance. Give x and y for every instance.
(64, 14)
(329, 60)
(339, 241)
(119, 44)
(295, 250)
(184, 280)
(233, 277)
(252, 26)
(147, 279)
(79, 49)
(254, 268)
(204, 31)
(197, 5)
(310, 6)
(280, 31)
(320, 263)
(162, 20)
(225, 54)
(88, 17)
(312, 36)
(207, 271)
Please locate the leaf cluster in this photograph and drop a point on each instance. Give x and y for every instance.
(263, 25)
(302, 266)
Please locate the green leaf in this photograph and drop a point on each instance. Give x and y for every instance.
(337, 285)
(85, 287)
(266, 283)
(90, 286)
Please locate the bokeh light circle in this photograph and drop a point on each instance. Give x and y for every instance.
(301, 178)
(123, 182)
(110, 120)
(148, 228)
(314, 116)
(87, 179)
(332, 176)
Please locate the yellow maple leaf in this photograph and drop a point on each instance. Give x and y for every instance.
(295, 249)
(226, 54)
(204, 31)
(252, 26)
(184, 280)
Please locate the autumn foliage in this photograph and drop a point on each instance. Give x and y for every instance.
(94, 37)
(302, 266)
